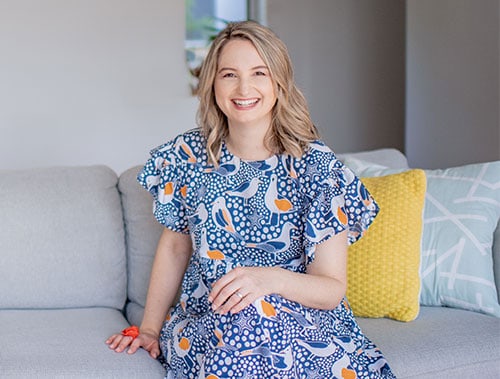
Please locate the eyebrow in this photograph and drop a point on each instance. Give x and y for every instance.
(233, 69)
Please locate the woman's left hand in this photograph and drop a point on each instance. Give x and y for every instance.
(241, 286)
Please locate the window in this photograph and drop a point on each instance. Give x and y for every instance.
(205, 18)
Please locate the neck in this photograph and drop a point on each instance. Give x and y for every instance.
(247, 144)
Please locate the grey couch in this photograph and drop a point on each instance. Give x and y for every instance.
(76, 248)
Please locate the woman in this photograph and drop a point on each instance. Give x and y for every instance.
(258, 215)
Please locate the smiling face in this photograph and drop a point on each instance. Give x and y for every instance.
(244, 90)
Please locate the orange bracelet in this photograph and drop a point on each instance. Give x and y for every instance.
(131, 331)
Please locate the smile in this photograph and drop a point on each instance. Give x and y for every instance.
(245, 103)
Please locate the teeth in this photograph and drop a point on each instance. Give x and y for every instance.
(245, 103)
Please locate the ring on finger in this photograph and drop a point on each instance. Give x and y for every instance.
(238, 293)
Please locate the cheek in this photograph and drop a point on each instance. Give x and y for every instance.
(273, 98)
(220, 100)
(220, 91)
(272, 91)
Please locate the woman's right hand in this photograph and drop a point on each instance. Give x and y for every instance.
(147, 340)
(171, 259)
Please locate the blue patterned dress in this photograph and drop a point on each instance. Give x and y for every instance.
(258, 213)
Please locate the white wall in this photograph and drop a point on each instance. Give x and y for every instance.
(90, 81)
(453, 85)
(103, 81)
(349, 58)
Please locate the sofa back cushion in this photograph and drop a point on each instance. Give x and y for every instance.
(496, 258)
(143, 233)
(62, 242)
(460, 242)
(387, 157)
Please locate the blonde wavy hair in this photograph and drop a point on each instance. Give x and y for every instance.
(291, 127)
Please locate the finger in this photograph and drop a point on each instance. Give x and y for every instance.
(153, 347)
(220, 284)
(139, 342)
(134, 346)
(225, 296)
(110, 339)
(225, 287)
(155, 353)
(154, 350)
(114, 341)
(124, 343)
(243, 303)
(235, 298)
(148, 343)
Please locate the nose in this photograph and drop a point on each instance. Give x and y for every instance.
(244, 85)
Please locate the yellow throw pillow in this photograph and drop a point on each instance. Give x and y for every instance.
(383, 266)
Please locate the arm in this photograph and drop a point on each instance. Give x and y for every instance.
(171, 260)
(170, 263)
(322, 286)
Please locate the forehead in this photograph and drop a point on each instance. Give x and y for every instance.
(240, 53)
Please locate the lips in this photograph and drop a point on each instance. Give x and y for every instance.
(245, 103)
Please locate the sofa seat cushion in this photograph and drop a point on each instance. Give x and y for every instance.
(441, 343)
(68, 343)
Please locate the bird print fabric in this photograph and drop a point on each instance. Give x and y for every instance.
(258, 213)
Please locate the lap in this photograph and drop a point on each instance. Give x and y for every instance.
(272, 336)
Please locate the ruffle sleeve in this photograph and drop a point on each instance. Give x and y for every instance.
(163, 177)
(339, 202)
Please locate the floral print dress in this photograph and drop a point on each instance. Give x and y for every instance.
(258, 213)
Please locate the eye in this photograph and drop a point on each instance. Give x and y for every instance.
(229, 75)
(260, 73)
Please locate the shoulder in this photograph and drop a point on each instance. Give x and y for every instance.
(193, 138)
(319, 168)
(321, 157)
(318, 146)
(187, 147)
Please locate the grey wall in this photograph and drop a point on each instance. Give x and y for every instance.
(349, 58)
(103, 81)
(90, 81)
(453, 50)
